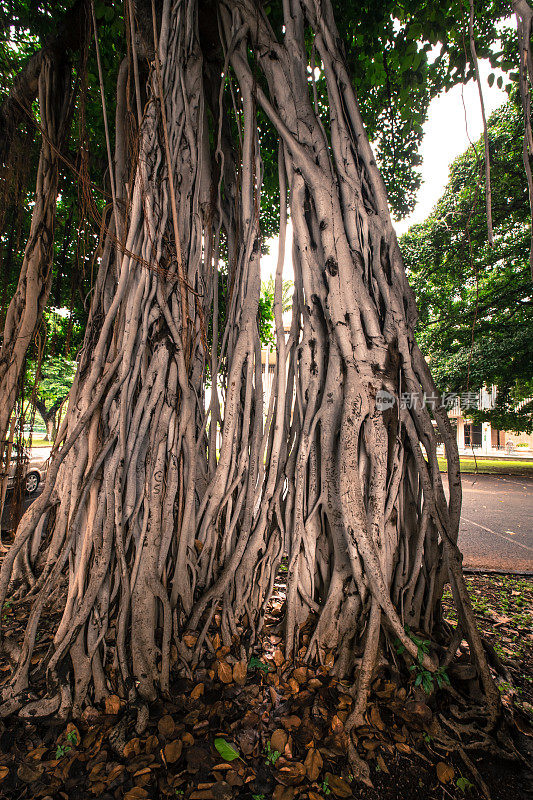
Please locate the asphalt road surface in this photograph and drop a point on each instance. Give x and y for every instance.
(496, 530)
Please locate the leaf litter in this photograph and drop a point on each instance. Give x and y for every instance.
(267, 729)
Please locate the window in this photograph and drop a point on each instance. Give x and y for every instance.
(473, 435)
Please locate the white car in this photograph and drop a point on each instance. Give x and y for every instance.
(34, 468)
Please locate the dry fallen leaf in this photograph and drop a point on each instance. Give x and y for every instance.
(300, 674)
(136, 793)
(4, 772)
(29, 774)
(375, 719)
(336, 724)
(402, 747)
(291, 722)
(173, 751)
(338, 786)
(132, 748)
(166, 726)
(313, 764)
(197, 691)
(291, 772)
(112, 704)
(225, 672)
(445, 772)
(240, 672)
(283, 793)
(279, 658)
(73, 734)
(381, 762)
(278, 740)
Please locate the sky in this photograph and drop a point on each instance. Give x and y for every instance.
(446, 135)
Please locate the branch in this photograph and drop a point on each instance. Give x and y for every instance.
(69, 37)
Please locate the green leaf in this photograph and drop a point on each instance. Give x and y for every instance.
(226, 750)
(256, 663)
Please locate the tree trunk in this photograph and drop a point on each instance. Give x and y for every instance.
(171, 513)
(373, 534)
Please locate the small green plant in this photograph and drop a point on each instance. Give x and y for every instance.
(63, 749)
(325, 786)
(427, 679)
(6, 608)
(179, 792)
(423, 677)
(258, 797)
(72, 737)
(271, 756)
(464, 784)
(256, 663)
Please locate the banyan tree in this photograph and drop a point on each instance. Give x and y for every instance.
(174, 495)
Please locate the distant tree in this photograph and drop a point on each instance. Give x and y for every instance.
(476, 317)
(48, 388)
(266, 307)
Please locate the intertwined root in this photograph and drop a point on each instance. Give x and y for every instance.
(169, 511)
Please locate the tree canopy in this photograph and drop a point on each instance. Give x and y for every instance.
(475, 301)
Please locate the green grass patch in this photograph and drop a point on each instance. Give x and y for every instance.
(492, 467)
(37, 443)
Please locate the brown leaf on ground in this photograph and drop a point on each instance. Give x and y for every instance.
(173, 751)
(197, 691)
(336, 724)
(445, 772)
(278, 740)
(375, 719)
(284, 793)
(300, 674)
(418, 712)
(381, 761)
(292, 722)
(29, 774)
(290, 773)
(403, 748)
(338, 786)
(136, 793)
(4, 772)
(132, 748)
(224, 672)
(166, 726)
(240, 672)
(313, 764)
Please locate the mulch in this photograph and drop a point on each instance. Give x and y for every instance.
(264, 729)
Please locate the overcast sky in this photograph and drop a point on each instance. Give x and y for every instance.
(445, 137)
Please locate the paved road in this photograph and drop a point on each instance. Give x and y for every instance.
(496, 530)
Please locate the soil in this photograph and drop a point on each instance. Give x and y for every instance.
(263, 729)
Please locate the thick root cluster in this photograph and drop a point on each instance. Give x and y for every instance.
(174, 497)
